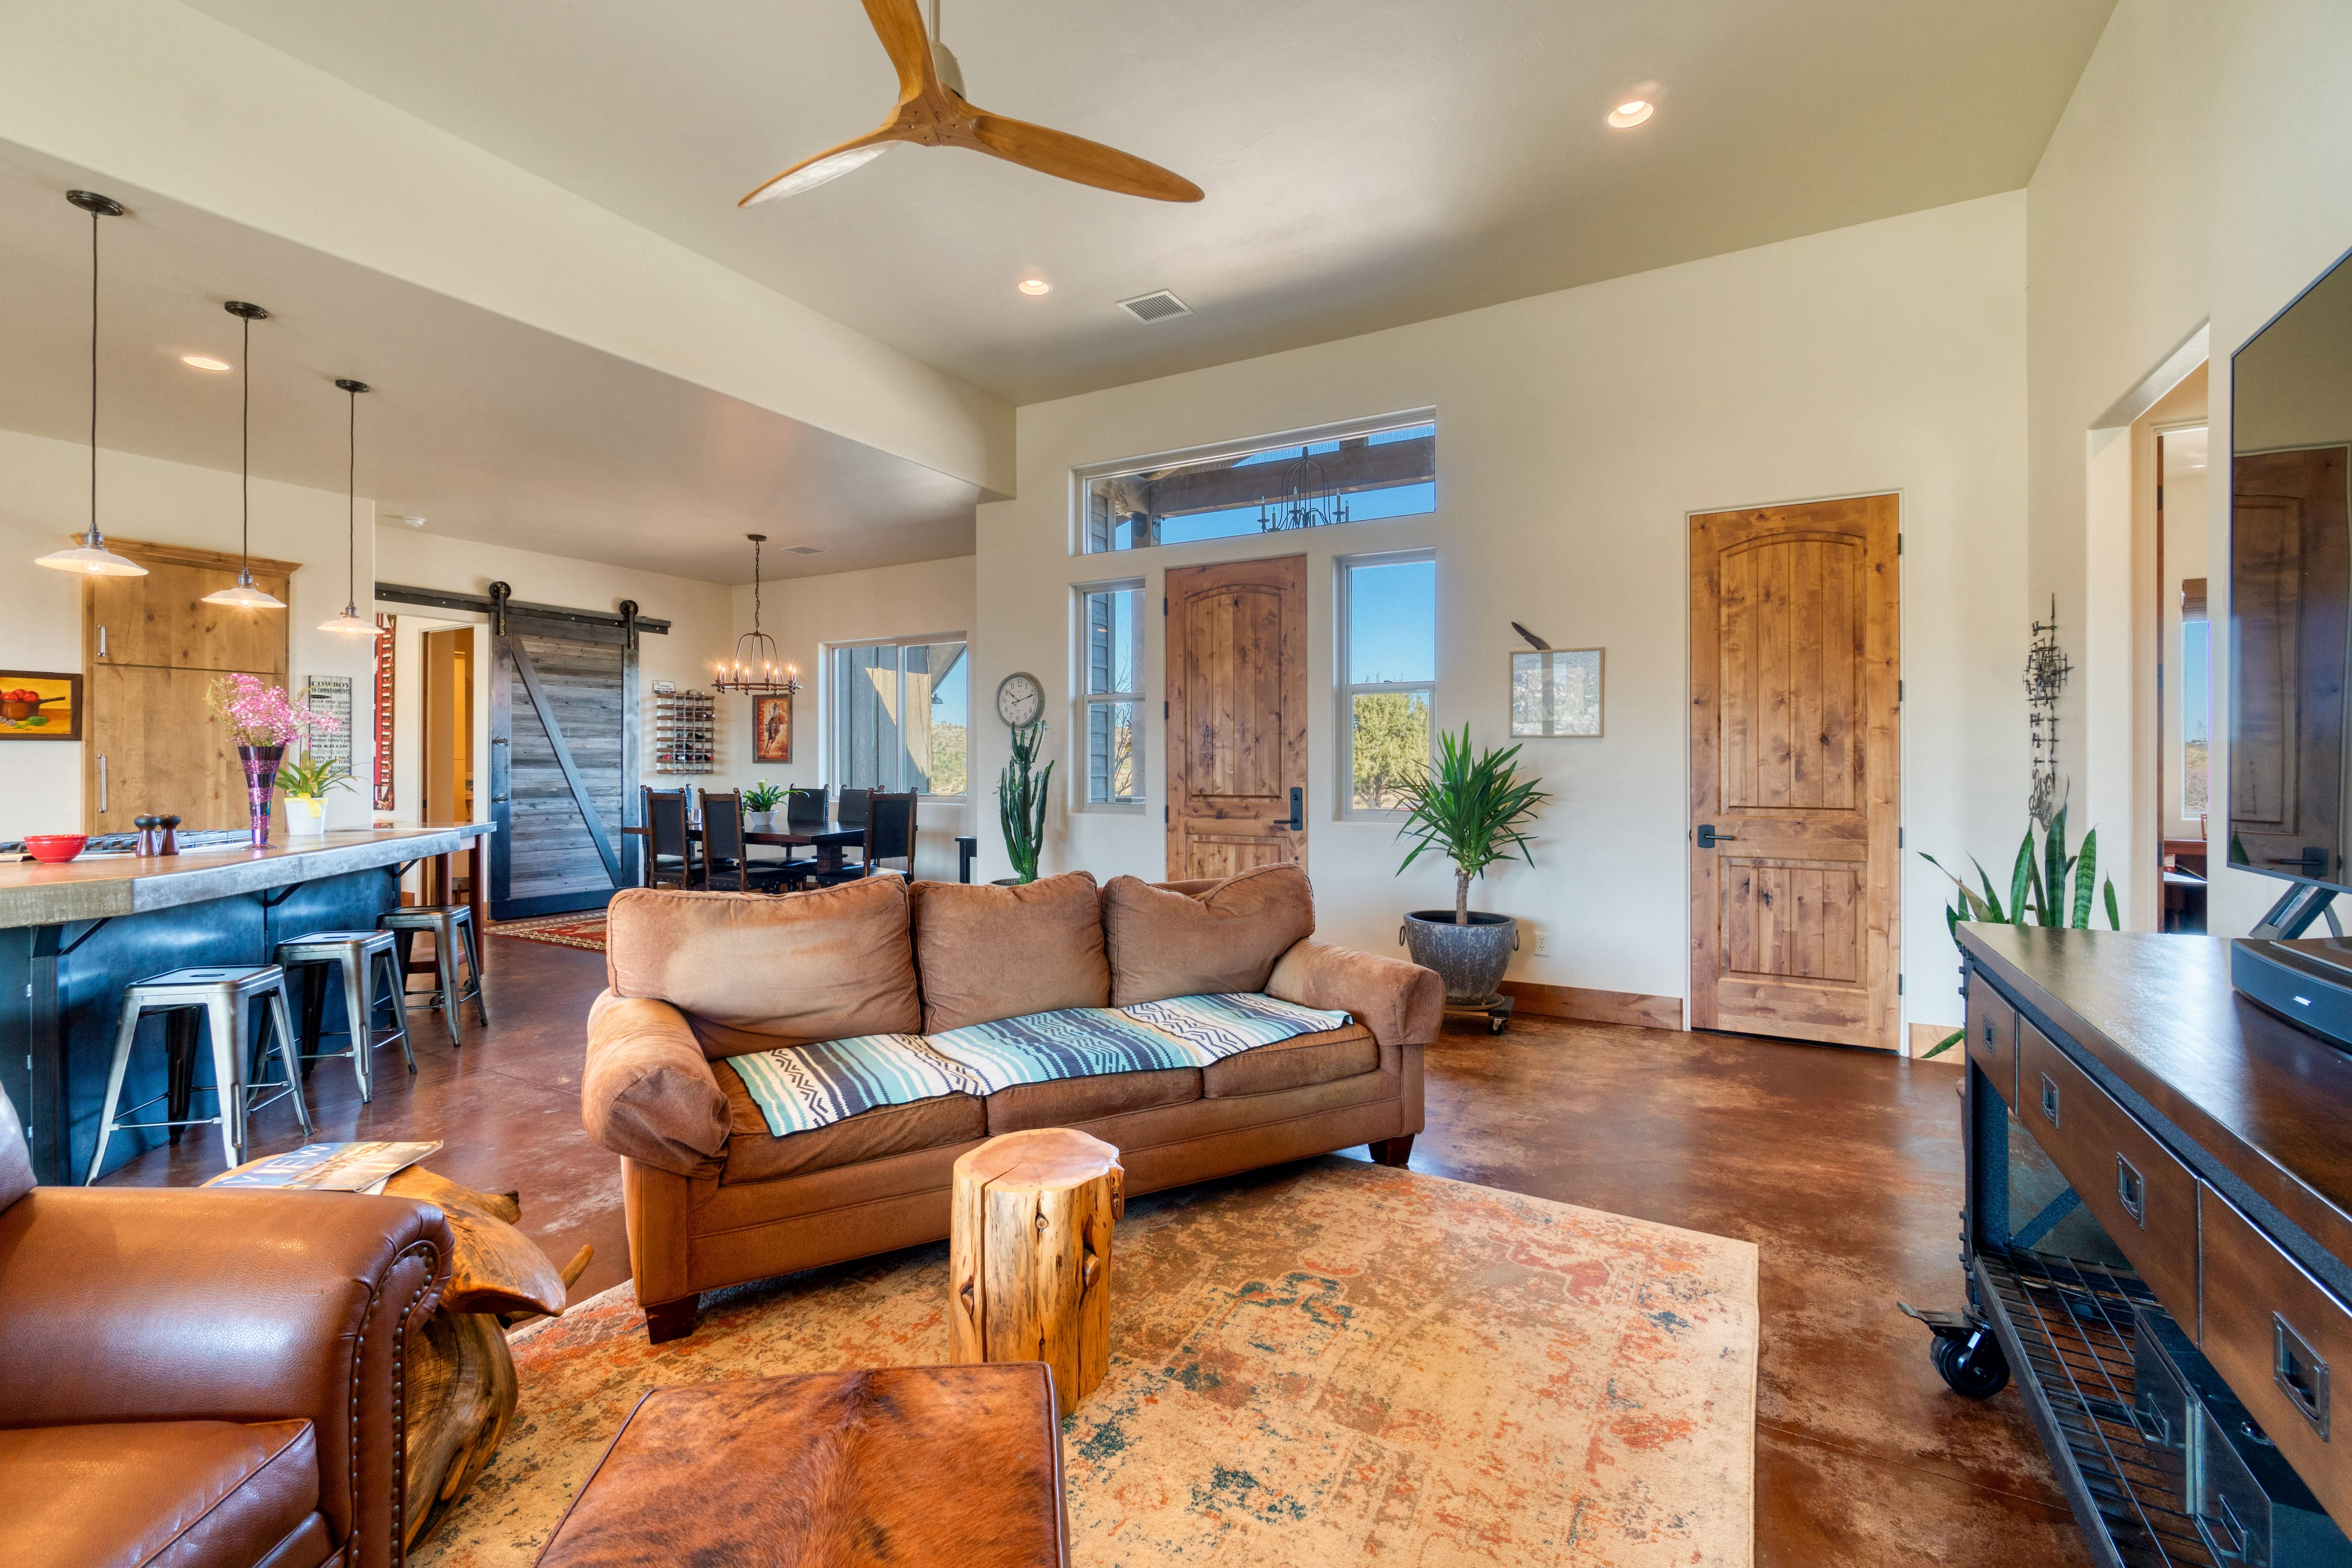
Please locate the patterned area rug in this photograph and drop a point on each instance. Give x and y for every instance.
(1327, 1363)
(558, 931)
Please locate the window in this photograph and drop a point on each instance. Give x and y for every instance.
(1110, 653)
(1344, 474)
(1388, 663)
(897, 716)
(2194, 676)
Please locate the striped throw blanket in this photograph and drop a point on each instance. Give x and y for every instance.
(799, 1087)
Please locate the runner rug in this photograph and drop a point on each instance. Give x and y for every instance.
(1326, 1363)
(558, 931)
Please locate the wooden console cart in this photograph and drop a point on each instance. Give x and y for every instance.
(2137, 1135)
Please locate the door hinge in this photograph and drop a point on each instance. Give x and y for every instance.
(1163, 816)
(1898, 693)
(1163, 711)
(1163, 603)
(1899, 838)
(1898, 544)
(1898, 985)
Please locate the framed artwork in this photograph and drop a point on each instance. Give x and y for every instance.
(1556, 692)
(771, 728)
(35, 706)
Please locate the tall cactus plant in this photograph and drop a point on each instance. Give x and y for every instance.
(1020, 800)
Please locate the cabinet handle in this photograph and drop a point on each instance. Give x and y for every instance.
(101, 641)
(2050, 1099)
(101, 783)
(2131, 1191)
(2299, 1374)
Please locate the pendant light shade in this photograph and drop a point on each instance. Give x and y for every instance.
(91, 557)
(247, 595)
(758, 668)
(350, 623)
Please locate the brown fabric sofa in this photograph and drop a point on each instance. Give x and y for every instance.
(204, 1379)
(714, 1199)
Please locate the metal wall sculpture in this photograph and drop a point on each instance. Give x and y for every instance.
(2047, 668)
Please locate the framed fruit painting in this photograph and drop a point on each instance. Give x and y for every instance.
(35, 706)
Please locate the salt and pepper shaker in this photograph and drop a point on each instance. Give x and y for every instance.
(167, 836)
(147, 834)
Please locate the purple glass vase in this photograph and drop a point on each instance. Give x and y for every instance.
(260, 778)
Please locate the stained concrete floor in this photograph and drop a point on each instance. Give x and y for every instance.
(1843, 1167)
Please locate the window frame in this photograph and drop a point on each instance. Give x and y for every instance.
(1083, 701)
(828, 717)
(1346, 691)
(1083, 475)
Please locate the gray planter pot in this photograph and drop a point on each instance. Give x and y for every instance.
(759, 821)
(1470, 959)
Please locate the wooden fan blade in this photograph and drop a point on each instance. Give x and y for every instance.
(879, 140)
(899, 25)
(1069, 157)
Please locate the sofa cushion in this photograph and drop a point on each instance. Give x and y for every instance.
(1065, 1100)
(755, 971)
(1291, 1063)
(1226, 937)
(755, 1154)
(194, 1494)
(989, 953)
(646, 1089)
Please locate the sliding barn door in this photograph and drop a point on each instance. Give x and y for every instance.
(1236, 716)
(1795, 858)
(562, 702)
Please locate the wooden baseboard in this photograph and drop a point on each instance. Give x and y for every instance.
(1923, 1038)
(1596, 1007)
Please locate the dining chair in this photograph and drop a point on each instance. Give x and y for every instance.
(805, 807)
(851, 811)
(669, 853)
(890, 835)
(726, 854)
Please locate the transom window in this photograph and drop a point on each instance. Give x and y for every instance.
(897, 715)
(1388, 665)
(1111, 654)
(1349, 473)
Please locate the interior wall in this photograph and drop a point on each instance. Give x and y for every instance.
(2197, 176)
(46, 500)
(1577, 432)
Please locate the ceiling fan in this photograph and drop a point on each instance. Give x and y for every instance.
(933, 113)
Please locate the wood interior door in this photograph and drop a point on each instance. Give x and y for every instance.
(1794, 757)
(561, 769)
(150, 647)
(2289, 584)
(1236, 661)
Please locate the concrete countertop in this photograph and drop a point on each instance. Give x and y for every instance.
(96, 886)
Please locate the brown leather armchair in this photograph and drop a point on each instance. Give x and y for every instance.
(204, 1379)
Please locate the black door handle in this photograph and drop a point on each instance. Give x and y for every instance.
(1708, 838)
(1297, 810)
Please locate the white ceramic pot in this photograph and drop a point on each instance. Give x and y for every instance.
(759, 822)
(305, 818)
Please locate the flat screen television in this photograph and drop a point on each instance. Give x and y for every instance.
(2290, 649)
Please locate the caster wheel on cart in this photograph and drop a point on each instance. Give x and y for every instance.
(1497, 1026)
(1979, 1374)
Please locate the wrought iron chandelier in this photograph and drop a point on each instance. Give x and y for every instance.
(1304, 497)
(758, 671)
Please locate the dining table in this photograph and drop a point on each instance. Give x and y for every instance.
(828, 838)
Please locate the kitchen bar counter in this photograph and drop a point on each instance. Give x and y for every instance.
(73, 936)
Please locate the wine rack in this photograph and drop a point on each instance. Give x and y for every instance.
(686, 732)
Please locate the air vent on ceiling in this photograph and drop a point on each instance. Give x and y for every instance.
(1161, 306)
(803, 549)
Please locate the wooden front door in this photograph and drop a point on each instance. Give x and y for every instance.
(1236, 660)
(561, 767)
(150, 648)
(1795, 865)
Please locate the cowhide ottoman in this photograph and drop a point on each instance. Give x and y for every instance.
(903, 1466)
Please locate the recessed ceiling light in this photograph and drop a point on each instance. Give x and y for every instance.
(413, 521)
(203, 362)
(1035, 286)
(1631, 113)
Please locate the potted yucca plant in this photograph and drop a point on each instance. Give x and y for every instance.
(1468, 809)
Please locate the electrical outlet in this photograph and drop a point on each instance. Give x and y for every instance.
(1543, 944)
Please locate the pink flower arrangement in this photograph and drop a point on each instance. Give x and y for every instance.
(263, 715)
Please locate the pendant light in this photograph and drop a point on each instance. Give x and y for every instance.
(91, 557)
(755, 670)
(247, 595)
(349, 621)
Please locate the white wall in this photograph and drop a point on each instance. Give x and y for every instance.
(1576, 433)
(45, 497)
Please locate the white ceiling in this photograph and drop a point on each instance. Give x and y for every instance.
(492, 430)
(1367, 162)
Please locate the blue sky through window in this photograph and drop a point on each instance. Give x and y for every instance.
(1392, 622)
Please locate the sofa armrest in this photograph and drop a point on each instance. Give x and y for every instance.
(154, 1304)
(648, 1092)
(1402, 1003)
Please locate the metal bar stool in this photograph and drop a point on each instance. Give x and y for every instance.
(445, 922)
(225, 998)
(369, 960)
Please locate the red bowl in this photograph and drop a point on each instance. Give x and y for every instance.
(55, 849)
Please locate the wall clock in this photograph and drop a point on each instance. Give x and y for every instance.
(1020, 700)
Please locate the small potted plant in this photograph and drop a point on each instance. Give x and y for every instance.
(1021, 802)
(304, 782)
(759, 802)
(1467, 809)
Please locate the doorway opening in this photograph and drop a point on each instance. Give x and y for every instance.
(446, 789)
(2183, 676)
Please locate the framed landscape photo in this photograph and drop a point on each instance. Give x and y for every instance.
(771, 728)
(37, 706)
(1556, 692)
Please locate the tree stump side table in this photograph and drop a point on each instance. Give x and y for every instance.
(1029, 1255)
